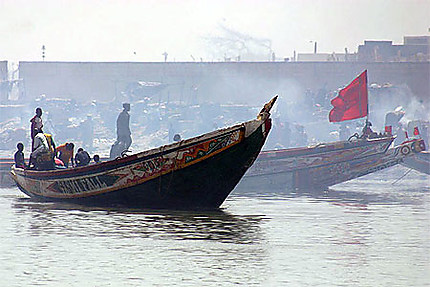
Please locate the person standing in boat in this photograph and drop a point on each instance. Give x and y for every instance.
(123, 126)
(123, 133)
(36, 124)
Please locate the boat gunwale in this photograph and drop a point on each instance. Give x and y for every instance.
(318, 149)
(130, 184)
(128, 160)
(326, 165)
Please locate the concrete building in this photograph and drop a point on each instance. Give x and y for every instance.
(239, 82)
(414, 49)
(326, 57)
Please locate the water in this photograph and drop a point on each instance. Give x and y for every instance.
(367, 232)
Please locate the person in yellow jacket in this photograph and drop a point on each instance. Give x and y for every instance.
(51, 144)
(65, 153)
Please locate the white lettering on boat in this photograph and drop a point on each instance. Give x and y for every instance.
(80, 185)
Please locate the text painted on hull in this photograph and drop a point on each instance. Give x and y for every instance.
(80, 185)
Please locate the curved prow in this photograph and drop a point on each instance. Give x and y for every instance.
(265, 111)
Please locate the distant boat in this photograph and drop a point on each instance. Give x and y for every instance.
(325, 164)
(195, 173)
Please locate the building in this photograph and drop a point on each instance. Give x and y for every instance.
(414, 49)
(194, 82)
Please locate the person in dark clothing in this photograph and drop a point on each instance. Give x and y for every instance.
(82, 158)
(123, 132)
(123, 126)
(19, 156)
(367, 131)
(96, 158)
(177, 138)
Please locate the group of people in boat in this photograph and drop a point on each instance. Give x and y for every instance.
(45, 155)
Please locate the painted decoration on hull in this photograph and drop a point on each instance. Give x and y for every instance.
(133, 174)
(323, 176)
(268, 164)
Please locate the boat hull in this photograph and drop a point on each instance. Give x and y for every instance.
(204, 185)
(316, 168)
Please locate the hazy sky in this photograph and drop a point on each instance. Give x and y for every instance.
(127, 30)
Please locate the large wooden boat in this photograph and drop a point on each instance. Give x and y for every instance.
(195, 173)
(325, 164)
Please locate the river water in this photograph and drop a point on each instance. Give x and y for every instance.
(367, 232)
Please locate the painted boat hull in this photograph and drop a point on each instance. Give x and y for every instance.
(197, 173)
(323, 166)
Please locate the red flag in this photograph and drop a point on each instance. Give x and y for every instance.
(351, 102)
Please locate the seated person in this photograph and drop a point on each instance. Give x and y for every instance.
(177, 138)
(367, 132)
(59, 163)
(41, 157)
(82, 158)
(19, 156)
(96, 158)
(65, 153)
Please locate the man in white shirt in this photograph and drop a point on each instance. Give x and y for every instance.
(40, 148)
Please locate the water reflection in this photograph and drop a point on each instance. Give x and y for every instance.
(335, 195)
(379, 188)
(69, 219)
(329, 237)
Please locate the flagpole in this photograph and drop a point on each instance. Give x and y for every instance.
(367, 102)
(359, 95)
(359, 100)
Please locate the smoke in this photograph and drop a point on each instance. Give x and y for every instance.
(233, 45)
(386, 98)
(222, 94)
(295, 108)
